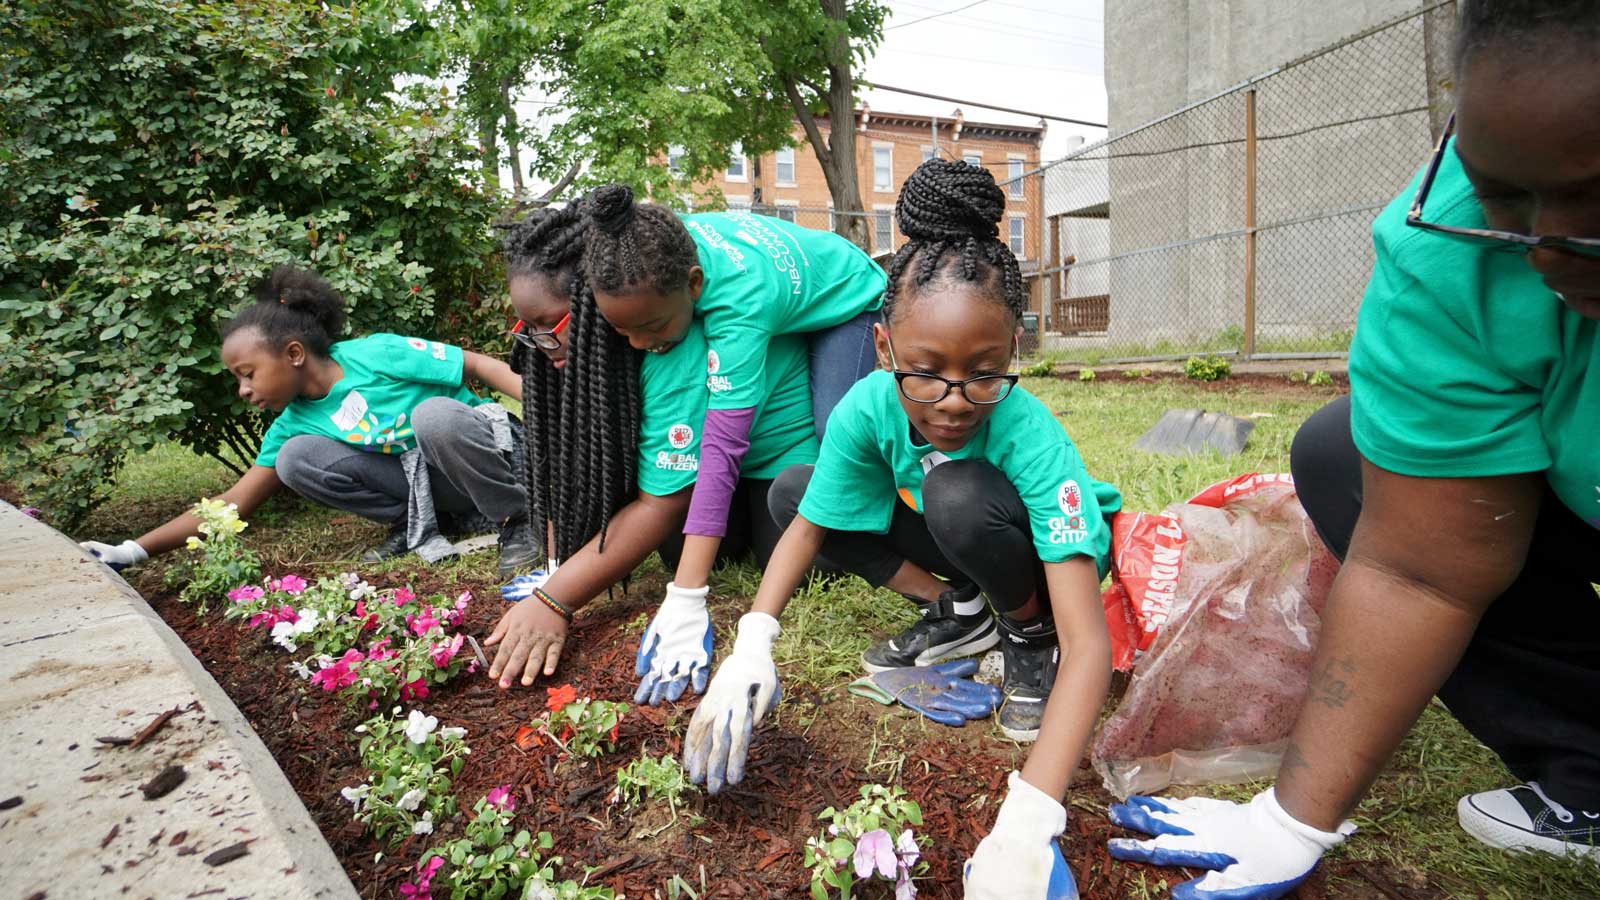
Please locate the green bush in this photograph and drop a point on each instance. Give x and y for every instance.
(1085, 374)
(1320, 378)
(1209, 368)
(1042, 369)
(160, 156)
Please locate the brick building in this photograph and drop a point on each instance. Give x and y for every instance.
(789, 184)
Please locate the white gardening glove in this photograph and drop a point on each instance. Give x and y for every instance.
(676, 649)
(1020, 859)
(1258, 851)
(119, 557)
(743, 690)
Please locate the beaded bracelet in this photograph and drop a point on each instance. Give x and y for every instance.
(554, 604)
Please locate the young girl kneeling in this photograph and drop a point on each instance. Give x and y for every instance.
(943, 466)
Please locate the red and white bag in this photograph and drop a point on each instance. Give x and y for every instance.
(1215, 605)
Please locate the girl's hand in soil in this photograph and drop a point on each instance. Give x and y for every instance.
(744, 689)
(1020, 857)
(527, 636)
(1259, 851)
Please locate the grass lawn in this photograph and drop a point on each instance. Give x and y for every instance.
(1408, 823)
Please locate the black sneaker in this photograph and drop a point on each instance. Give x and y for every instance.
(518, 550)
(1523, 818)
(395, 545)
(1031, 655)
(937, 636)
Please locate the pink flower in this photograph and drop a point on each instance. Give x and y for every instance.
(292, 584)
(340, 674)
(272, 617)
(875, 850)
(502, 798)
(421, 623)
(402, 596)
(443, 652)
(414, 690)
(424, 883)
(245, 592)
(380, 650)
(461, 607)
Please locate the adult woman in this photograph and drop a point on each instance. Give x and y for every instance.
(1459, 483)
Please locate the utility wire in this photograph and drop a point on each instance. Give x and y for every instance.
(947, 12)
(1005, 109)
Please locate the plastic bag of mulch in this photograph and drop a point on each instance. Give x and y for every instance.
(1215, 604)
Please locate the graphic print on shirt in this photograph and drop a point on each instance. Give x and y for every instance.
(1069, 527)
(371, 432)
(714, 382)
(680, 436)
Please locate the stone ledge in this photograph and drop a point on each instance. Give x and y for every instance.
(82, 656)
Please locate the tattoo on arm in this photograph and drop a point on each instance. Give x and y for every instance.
(1328, 685)
(1292, 759)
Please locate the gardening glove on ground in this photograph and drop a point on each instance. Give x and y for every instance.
(1259, 851)
(944, 693)
(675, 651)
(1020, 859)
(523, 586)
(744, 689)
(119, 557)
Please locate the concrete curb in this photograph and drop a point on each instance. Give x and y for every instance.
(82, 656)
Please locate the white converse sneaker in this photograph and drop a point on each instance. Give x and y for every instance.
(1523, 818)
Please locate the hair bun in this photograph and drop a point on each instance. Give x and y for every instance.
(611, 208)
(306, 293)
(947, 200)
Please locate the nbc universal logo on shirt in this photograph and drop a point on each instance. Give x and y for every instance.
(714, 382)
(1068, 528)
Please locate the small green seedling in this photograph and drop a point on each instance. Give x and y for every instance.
(1085, 374)
(1040, 369)
(1299, 377)
(1320, 378)
(1209, 368)
(1135, 373)
(652, 779)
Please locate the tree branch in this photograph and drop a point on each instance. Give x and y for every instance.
(807, 120)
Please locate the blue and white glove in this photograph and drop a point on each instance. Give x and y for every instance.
(118, 557)
(523, 586)
(675, 651)
(1020, 858)
(944, 693)
(1257, 851)
(744, 689)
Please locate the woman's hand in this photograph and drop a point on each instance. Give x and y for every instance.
(528, 636)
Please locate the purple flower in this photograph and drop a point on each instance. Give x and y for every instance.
(909, 853)
(875, 850)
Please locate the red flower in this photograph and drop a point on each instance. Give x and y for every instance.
(560, 696)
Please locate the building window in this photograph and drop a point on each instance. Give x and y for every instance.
(1017, 234)
(1014, 168)
(883, 168)
(675, 160)
(784, 163)
(882, 229)
(738, 166)
(787, 210)
(973, 158)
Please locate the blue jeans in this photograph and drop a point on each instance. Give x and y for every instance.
(840, 357)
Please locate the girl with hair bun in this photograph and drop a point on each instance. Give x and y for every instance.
(943, 480)
(752, 283)
(613, 446)
(346, 411)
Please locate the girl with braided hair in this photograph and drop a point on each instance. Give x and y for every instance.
(613, 444)
(753, 283)
(943, 466)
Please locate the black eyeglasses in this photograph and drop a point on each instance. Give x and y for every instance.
(540, 340)
(920, 387)
(1510, 241)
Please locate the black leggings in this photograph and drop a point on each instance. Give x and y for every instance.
(751, 531)
(973, 530)
(1527, 684)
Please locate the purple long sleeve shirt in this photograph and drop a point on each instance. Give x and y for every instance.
(724, 440)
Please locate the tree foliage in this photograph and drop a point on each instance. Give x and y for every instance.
(158, 156)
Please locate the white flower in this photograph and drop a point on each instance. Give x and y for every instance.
(538, 890)
(283, 636)
(299, 668)
(452, 732)
(361, 729)
(355, 795)
(361, 590)
(419, 726)
(412, 799)
(425, 826)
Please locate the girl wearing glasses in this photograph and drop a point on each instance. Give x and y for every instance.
(944, 481)
(1459, 482)
(346, 412)
(614, 443)
(749, 281)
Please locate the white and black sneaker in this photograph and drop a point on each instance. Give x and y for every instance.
(1031, 655)
(939, 635)
(1523, 818)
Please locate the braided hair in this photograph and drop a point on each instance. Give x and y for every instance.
(634, 244)
(583, 424)
(292, 305)
(1527, 25)
(951, 212)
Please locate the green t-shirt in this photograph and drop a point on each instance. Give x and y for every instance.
(869, 462)
(766, 277)
(1466, 365)
(673, 386)
(385, 377)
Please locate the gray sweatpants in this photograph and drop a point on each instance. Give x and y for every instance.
(465, 467)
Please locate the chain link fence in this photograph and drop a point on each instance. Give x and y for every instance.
(1241, 223)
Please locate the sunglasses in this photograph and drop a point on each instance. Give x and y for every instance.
(540, 340)
(1489, 237)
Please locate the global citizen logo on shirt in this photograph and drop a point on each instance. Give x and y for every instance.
(716, 383)
(1068, 528)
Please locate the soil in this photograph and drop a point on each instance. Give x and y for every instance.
(747, 842)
